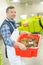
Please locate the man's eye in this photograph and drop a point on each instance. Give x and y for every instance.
(11, 12)
(14, 12)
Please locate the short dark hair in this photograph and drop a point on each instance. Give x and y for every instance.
(10, 7)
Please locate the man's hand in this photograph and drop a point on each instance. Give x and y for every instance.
(20, 45)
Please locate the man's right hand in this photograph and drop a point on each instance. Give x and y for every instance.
(20, 45)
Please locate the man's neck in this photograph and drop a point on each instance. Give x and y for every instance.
(9, 19)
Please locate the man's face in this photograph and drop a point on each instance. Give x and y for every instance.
(11, 14)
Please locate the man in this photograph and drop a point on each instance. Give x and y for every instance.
(7, 28)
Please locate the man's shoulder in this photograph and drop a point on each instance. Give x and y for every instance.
(4, 23)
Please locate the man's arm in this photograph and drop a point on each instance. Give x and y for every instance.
(5, 31)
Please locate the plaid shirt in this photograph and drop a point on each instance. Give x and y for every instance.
(5, 31)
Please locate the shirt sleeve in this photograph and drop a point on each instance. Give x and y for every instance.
(5, 31)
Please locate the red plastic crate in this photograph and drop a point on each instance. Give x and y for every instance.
(34, 52)
(29, 52)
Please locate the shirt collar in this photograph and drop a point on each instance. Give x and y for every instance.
(9, 20)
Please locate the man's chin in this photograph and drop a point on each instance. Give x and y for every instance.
(12, 18)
